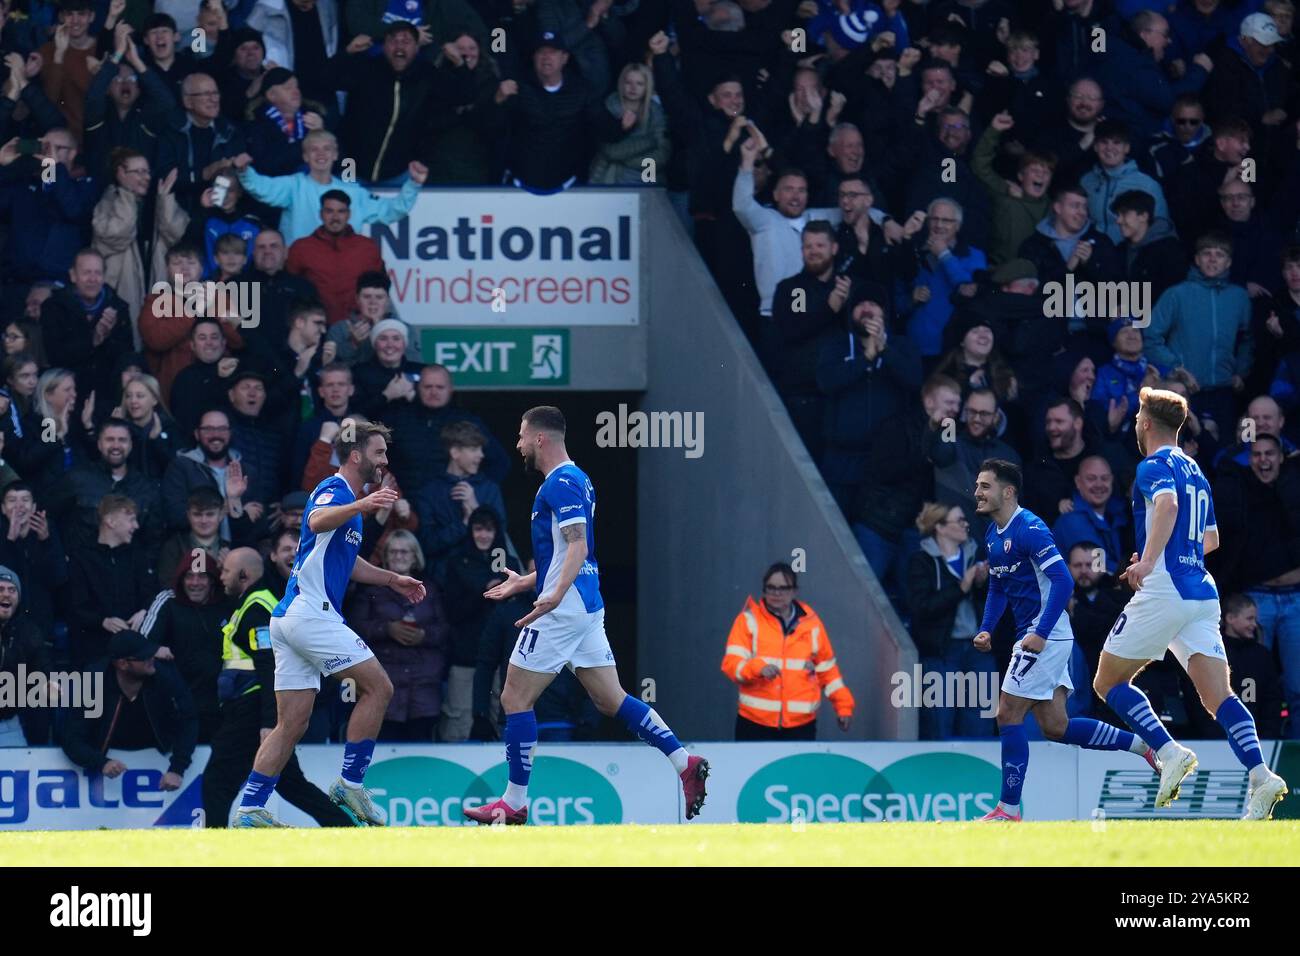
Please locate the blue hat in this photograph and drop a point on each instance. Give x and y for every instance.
(852, 30)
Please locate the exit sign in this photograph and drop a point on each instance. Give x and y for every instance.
(496, 356)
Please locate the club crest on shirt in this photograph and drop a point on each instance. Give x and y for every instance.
(1006, 546)
(325, 498)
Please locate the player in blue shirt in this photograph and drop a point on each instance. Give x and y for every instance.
(566, 626)
(1027, 573)
(1176, 608)
(309, 637)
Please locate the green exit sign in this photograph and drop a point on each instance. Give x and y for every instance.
(496, 356)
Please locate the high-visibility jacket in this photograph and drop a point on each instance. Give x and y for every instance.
(791, 698)
(247, 663)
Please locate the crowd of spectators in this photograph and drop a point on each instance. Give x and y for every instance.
(883, 191)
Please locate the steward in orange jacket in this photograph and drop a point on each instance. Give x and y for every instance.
(783, 665)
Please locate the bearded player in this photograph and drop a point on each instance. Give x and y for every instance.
(566, 626)
(309, 637)
(1176, 608)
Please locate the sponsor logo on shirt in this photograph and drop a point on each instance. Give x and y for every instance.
(564, 508)
(353, 536)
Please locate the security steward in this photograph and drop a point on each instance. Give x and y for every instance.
(246, 689)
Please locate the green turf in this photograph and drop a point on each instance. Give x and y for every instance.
(1117, 843)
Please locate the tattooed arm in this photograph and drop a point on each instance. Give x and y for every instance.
(575, 535)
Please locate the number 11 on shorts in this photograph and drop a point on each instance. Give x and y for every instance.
(529, 636)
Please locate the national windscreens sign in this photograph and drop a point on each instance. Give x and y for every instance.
(509, 258)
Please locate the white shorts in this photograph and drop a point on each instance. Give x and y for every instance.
(1036, 676)
(568, 635)
(1156, 621)
(306, 647)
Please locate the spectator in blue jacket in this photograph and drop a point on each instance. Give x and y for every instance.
(1132, 72)
(1202, 325)
(52, 203)
(445, 504)
(944, 263)
(1114, 174)
(1096, 513)
(1120, 379)
(1198, 26)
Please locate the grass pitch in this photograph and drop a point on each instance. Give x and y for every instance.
(1112, 843)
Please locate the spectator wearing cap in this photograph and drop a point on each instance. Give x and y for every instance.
(24, 656)
(204, 509)
(1148, 249)
(111, 582)
(957, 463)
(32, 546)
(241, 79)
(257, 435)
(1178, 139)
(136, 221)
(185, 618)
(301, 37)
(441, 20)
(807, 309)
(166, 327)
(160, 40)
(388, 378)
(1095, 514)
(198, 142)
(124, 108)
(555, 117)
(466, 574)
(1139, 91)
(941, 263)
(445, 503)
(1016, 208)
(1256, 243)
(86, 326)
(1114, 173)
(145, 706)
(1251, 81)
(868, 374)
(299, 194)
(370, 304)
(1202, 325)
(1258, 514)
(900, 482)
(1120, 379)
(280, 120)
(334, 256)
(417, 455)
(74, 498)
(396, 89)
(334, 391)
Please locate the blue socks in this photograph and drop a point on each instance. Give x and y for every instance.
(1094, 735)
(642, 720)
(1237, 723)
(258, 790)
(521, 738)
(1015, 761)
(1131, 704)
(356, 760)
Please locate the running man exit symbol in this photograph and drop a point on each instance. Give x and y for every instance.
(548, 357)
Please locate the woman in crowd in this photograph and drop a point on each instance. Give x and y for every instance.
(24, 336)
(154, 437)
(622, 162)
(20, 376)
(946, 588)
(410, 641)
(53, 416)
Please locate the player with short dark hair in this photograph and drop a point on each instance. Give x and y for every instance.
(1027, 572)
(566, 626)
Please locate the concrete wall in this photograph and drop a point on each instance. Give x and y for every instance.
(709, 526)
